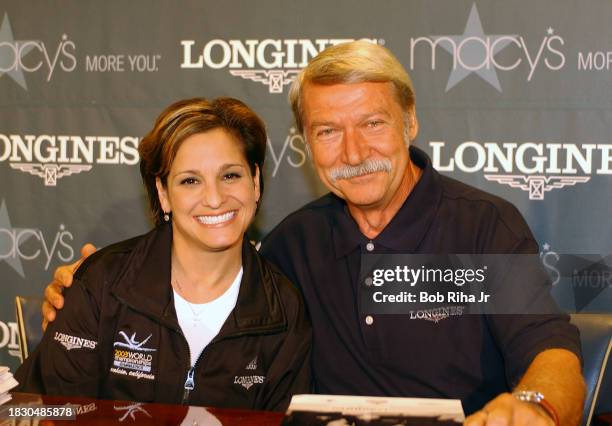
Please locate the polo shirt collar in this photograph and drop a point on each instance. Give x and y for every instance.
(407, 228)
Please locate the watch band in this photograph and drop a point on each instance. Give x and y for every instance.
(538, 398)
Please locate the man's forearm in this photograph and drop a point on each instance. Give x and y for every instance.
(556, 373)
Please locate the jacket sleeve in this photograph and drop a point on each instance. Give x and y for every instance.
(290, 372)
(66, 360)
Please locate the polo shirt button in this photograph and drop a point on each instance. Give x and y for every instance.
(369, 320)
(370, 246)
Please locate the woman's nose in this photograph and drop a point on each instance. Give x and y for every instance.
(213, 195)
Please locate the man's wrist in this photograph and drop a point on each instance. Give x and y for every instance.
(538, 399)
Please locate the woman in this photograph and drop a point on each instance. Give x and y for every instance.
(188, 313)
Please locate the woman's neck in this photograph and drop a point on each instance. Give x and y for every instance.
(202, 276)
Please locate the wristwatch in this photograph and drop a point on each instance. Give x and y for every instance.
(537, 398)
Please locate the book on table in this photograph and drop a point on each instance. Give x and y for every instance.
(337, 410)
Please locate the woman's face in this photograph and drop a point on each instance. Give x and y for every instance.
(210, 191)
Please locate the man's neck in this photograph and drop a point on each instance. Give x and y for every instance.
(372, 221)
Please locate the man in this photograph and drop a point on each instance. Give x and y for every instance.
(355, 105)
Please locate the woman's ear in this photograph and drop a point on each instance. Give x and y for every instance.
(162, 193)
(256, 182)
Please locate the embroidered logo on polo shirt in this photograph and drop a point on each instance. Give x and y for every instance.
(436, 315)
(132, 358)
(74, 342)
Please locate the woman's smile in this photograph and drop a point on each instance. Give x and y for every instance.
(217, 220)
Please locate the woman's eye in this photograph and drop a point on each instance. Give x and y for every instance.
(189, 181)
(231, 176)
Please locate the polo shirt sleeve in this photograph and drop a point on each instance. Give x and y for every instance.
(521, 337)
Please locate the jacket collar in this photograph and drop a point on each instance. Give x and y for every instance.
(409, 225)
(144, 285)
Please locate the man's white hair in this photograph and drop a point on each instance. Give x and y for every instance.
(354, 62)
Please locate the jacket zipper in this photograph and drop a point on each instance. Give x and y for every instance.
(189, 384)
(190, 380)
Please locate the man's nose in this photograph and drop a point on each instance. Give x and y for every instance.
(355, 147)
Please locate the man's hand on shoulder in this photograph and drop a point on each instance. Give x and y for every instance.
(62, 277)
(506, 410)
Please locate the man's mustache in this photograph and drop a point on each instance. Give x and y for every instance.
(370, 165)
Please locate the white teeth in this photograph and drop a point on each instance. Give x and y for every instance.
(213, 220)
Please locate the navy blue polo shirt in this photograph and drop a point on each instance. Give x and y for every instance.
(470, 357)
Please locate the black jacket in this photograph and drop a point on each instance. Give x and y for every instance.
(118, 336)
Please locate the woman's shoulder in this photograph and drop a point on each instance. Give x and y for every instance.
(109, 260)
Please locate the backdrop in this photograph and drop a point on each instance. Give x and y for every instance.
(512, 97)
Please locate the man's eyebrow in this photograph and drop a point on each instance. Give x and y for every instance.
(373, 113)
(364, 116)
(321, 123)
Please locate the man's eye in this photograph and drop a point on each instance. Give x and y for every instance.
(189, 181)
(374, 123)
(325, 132)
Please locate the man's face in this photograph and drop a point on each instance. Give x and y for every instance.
(357, 134)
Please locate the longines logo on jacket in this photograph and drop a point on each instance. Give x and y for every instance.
(248, 381)
(74, 342)
(132, 358)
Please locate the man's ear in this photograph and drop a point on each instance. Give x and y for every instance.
(413, 123)
(162, 194)
(307, 146)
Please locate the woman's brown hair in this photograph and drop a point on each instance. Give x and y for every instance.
(188, 117)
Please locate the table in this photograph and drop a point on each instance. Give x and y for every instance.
(104, 412)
